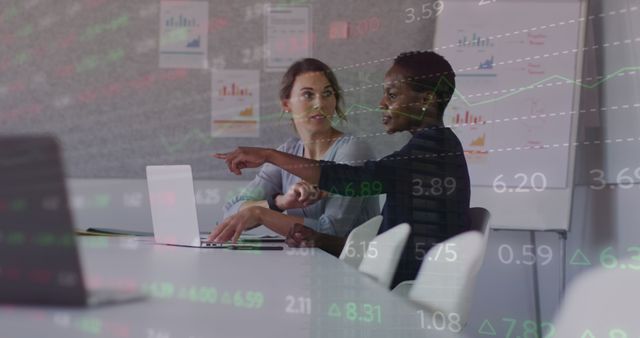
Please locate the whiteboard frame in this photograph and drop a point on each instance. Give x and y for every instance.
(551, 208)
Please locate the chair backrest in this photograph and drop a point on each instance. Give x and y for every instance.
(601, 303)
(383, 254)
(358, 241)
(447, 276)
(479, 218)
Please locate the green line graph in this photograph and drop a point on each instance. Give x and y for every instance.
(198, 135)
(195, 133)
(534, 85)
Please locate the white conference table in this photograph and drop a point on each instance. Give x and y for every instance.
(222, 293)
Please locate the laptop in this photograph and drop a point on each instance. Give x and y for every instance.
(173, 211)
(39, 259)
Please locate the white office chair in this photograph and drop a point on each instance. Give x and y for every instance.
(447, 276)
(479, 218)
(383, 254)
(354, 249)
(601, 303)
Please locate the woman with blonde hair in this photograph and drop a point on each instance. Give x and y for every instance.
(310, 93)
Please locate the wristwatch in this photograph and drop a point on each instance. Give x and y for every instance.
(271, 202)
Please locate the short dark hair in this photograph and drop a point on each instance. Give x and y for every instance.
(429, 71)
(310, 65)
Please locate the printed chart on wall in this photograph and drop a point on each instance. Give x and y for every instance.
(235, 103)
(288, 36)
(184, 28)
(515, 88)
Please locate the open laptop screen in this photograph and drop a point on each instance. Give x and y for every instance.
(173, 205)
(39, 261)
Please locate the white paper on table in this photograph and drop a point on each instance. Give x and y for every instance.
(184, 28)
(288, 36)
(235, 103)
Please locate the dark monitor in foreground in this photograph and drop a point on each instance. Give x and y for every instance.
(39, 262)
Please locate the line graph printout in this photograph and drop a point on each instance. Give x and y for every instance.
(235, 103)
(514, 90)
(184, 27)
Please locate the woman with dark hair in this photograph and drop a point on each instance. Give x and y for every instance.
(310, 93)
(426, 181)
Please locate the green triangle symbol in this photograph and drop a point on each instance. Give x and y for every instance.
(587, 334)
(579, 258)
(334, 310)
(487, 329)
(334, 191)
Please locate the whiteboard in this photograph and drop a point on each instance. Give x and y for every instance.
(517, 69)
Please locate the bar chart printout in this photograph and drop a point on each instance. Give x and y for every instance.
(466, 118)
(235, 103)
(183, 34)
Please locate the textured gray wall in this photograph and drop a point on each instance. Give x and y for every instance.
(88, 72)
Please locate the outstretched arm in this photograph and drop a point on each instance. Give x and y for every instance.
(249, 157)
(342, 179)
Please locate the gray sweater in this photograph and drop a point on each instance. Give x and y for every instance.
(334, 215)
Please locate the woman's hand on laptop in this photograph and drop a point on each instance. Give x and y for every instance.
(232, 227)
(244, 157)
(300, 195)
